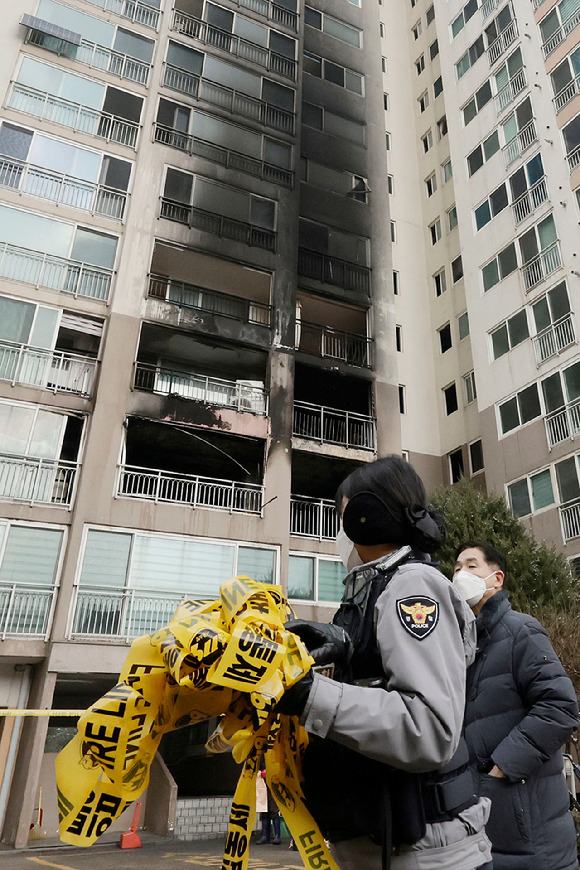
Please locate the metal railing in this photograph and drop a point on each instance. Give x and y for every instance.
(334, 426)
(331, 270)
(213, 391)
(121, 613)
(134, 10)
(233, 101)
(552, 43)
(47, 107)
(25, 610)
(503, 42)
(49, 369)
(554, 339)
(57, 273)
(324, 341)
(542, 266)
(510, 91)
(61, 188)
(563, 424)
(273, 11)
(99, 56)
(218, 225)
(567, 93)
(166, 486)
(536, 4)
(192, 296)
(313, 518)
(529, 201)
(37, 481)
(207, 34)
(224, 156)
(573, 158)
(487, 8)
(570, 518)
(520, 143)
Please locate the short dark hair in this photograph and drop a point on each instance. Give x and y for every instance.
(392, 478)
(490, 554)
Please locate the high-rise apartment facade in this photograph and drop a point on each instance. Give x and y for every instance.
(245, 246)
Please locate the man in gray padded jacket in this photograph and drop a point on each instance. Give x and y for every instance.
(386, 772)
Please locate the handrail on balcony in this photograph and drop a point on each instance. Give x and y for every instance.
(502, 43)
(332, 270)
(570, 24)
(528, 202)
(520, 143)
(218, 225)
(50, 369)
(274, 11)
(313, 518)
(240, 395)
(25, 609)
(554, 339)
(56, 273)
(37, 481)
(567, 93)
(193, 296)
(188, 489)
(134, 10)
(570, 518)
(541, 266)
(510, 91)
(121, 613)
(487, 8)
(334, 426)
(573, 158)
(563, 424)
(66, 113)
(325, 341)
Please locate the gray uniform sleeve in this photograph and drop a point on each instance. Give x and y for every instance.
(414, 724)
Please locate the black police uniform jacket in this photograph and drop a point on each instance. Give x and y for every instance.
(520, 709)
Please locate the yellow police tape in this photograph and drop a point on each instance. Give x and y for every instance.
(231, 658)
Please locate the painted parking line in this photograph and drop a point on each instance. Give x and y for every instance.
(51, 863)
(207, 860)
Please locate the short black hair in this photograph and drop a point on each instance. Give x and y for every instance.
(491, 555)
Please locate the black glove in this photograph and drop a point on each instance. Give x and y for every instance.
(325, 642)
(293, 701)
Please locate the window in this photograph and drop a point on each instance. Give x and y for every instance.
(423, 101)
(498, 27)
(461, 20)
(457, 269)
(435, 231)
(315, 578)
(29, 554)
(391, 184)
(472, 54)
(442, 127)
(402, 399)
(203, 193)
(521, 119)
(430, 15)
(558, 391)
(531, 494)
(427, 141)
(393, 231)
(420, 64)
(334, 73)
(452, 218)
(500, 267)
(463, 325)
(456, 465)
(395, 283)
(431, 184)
(333, 27)
(469, 390)
(334, 180)
(434, 49)
(440, 282)
(480, 99)
(509, 79)
(446, 171)
(416, 30)
(483, 153)
(437, 87)
(399, 338)
(333, 242)
(445, 342)
(515, 191)
(554, 327)
(563, 78)
(509, 334)
(521, 409)
(335, 125)
(476, 456)
(450, 398)
(388, 141)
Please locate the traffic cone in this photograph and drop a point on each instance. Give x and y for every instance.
(131, 839)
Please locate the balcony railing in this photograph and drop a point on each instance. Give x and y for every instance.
(47, 107)
(207, 34)
(536, 4)
(554, 339)
(224, 156)
(235, 102)
(324, 341)
(563, 424)
(510, 91)
(134, 10)
(61, 188)
(57, 273)
(529, 201)
(520, 143)
(25, 610)
(191, 296)
(121, 613)
(487, 8)
(331, 270)
(573, 158)
(89, 53)
(37, 481)
(333, 426)
(570, 517)
(273, 11)
(48, 369)
(567, 93)
(239, 395)
(560, 35)
(313, 518)
(218, 225)
(503, 42)
(541, 267)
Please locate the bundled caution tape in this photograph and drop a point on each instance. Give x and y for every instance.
(230, 658)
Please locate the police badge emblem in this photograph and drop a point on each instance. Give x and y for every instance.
(418, 614)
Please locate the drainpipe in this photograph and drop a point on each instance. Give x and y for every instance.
(14, 740)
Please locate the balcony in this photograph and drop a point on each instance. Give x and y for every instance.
(37, 481)
(235, 102)
(325, 342)
(536, 4)
(239, 395)
(573, 158)
(487, 8)
(333, 426)
(313, 518)
(541, 267)
(567, 93)
(121, 613)
(66, 113)
(25, 610)
(193, 490)
(563, 424)
(50, 370)
(560, 35)
(331, 270)
(503, 42)
(554, 339)
(529, 201)
(273, 11)
(570, 518)
(218, 225)
(520, 143)
(134, 10)
(207, 34)
(61, 188)
(506, 96)
(192, 296)
(224, 156)
(56, 273)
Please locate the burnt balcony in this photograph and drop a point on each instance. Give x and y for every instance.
(334, 271)
(191, 296)
(238, 395)
(334, 426)
(218, 225)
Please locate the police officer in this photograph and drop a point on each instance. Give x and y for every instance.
(386, 772)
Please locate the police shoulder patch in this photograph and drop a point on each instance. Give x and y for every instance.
(418, 614)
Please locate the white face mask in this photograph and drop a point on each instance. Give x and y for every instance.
(471, 587)
(347, 551)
